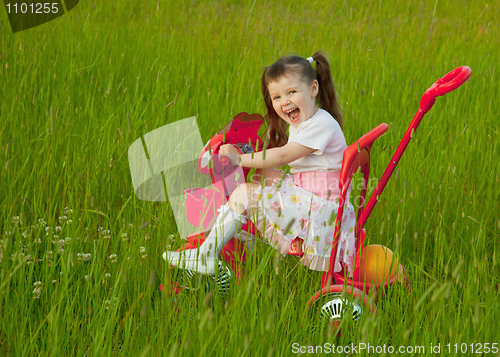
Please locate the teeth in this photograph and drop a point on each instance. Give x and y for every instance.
(289, 111)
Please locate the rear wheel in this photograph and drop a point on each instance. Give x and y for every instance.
(337, 303)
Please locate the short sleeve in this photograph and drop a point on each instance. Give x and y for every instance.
(313, 135)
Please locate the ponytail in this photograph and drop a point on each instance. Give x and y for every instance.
(328, 97)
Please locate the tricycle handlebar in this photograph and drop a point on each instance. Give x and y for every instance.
(446, 84)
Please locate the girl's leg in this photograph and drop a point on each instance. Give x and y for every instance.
(230, 219)
(244, 196)
(204, 258)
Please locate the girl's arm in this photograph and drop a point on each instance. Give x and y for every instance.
(275, 157)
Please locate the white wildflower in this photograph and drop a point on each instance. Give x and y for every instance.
(108, 303)
(85, 257)
(41, 223)
(37, 292)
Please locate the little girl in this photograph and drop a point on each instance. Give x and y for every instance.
(300, 205)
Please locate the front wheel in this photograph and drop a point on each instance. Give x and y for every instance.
(188, 285)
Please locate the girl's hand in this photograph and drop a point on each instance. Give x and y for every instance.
(231, 153)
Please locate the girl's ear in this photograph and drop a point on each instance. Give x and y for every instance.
(314, 88)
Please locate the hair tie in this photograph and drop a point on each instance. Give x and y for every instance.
(310, 59)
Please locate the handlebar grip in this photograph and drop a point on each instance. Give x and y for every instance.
(451, 81)
(454, 79)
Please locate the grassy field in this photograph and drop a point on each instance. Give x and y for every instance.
(80, 270)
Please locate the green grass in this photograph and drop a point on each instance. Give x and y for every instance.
(76, 92)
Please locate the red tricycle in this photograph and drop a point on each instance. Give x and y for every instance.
(375, 267)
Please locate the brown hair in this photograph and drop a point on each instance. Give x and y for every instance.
(327, 96)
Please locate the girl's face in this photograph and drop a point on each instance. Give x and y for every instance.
(293, 99)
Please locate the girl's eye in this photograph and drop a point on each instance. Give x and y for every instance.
(276, 98)
(292, 91)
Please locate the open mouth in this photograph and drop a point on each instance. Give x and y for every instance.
(293, 114)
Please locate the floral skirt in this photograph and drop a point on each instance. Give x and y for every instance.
(288, 211)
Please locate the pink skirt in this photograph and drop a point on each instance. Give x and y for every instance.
(324, 184)
(299, 208)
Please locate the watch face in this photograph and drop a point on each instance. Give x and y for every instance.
(245, 148)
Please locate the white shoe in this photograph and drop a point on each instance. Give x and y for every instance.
(191, 259)
(204, 258)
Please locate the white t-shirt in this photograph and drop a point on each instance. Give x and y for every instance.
(321, 132)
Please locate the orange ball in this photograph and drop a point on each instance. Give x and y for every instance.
(377, 264)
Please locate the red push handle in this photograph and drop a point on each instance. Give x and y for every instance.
(446, 84)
